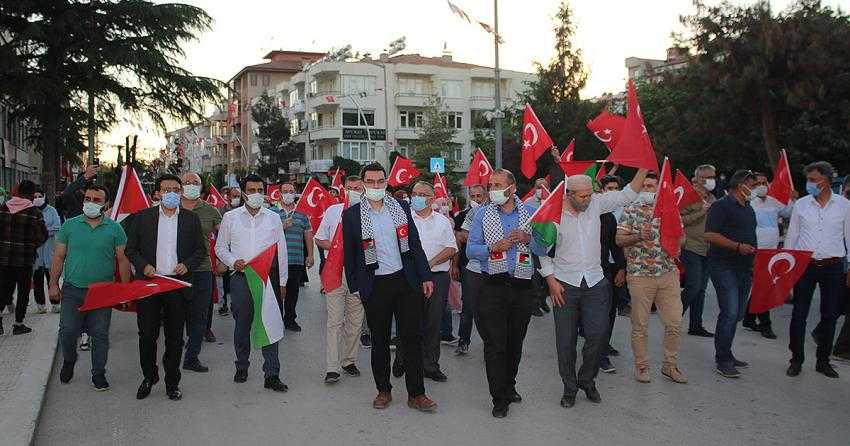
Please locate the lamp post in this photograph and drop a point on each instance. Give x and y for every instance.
(498, 115)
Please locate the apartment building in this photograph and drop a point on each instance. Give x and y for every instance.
(20, 160)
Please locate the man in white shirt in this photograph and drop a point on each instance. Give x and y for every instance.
(577, 283)
(820, 222)
(439, 244)
(344, 308)
(244, 233)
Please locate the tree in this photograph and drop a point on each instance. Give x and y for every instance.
(70, 66)
(276, 150)
(436, 139)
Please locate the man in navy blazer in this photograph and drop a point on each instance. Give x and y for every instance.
(386, 266)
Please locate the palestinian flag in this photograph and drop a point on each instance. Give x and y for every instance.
(267, 326)
(545, 219)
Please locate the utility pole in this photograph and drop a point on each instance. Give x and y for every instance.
(498, 115)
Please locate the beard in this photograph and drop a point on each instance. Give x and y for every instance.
(578, 207)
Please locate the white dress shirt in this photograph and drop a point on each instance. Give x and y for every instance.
(166, 242)
(578, 249)
(822, 230)
(332, 218)
(436, 234)
(244, 236)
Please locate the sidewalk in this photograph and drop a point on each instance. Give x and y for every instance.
(25, 365)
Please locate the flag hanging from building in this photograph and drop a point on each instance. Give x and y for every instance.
(130, 196)
(535, 142)
(267, 326)
(403, 172)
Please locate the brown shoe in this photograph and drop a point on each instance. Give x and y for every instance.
(675, 375)
(642, 375)
(422, 403)
(382, 400)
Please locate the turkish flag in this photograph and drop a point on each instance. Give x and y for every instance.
(273, 192)
(110, 294)
(130, 197)
(781, 187)
(214, 198)
(440, 186)
(775, 272)
(607, 128)
(336, 180)
(535, 142)
(313, 202)
(479, 170)
(403, 172)
(672, 230)
(331, 274)
(569, 165)
(634, 148)
(685, 193)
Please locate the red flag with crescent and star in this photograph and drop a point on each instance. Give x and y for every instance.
(685, 193)
(130, 197)
(671, 231)
(775, 272)
(331, 274)
(535, 142)
(607, 128)
(479, 170)
(440, 186)
(781, 187)
(403, 172)
(336, 179)
(634, 148)
(214, 198)
(273, 192)
(313, 202)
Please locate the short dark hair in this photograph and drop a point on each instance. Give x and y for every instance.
(740, 177)
(167, 177)
(507, 173)
(823, 167)
(610, 179)
(252, 178)
(373, 167)
(757, 174)
(652, 175)
(97, 187)
(39, 189)
(26, 188)
(351, 178)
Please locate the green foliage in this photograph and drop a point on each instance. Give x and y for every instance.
(435, 140)
(276, 150)
(350, 166)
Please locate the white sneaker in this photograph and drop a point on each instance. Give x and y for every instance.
(42, 309)
(56, 308)
(84, 342)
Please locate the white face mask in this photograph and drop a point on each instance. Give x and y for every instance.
(710, 184)
(375, 194)
(235, 201)
(499, 197)
(38, 201)
(255, 201)
(646, 197)
(473, 204)
(287, 198)
(538, 193)
(192, 191)
(92, 210)
(155, 203)
(760, 191)
(354, 197)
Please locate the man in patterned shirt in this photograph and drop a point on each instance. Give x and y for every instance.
(652, 278)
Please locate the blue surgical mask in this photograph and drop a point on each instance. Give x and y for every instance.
(171, 200)
(812, 188)
(418, 203)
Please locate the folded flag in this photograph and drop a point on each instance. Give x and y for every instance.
(267, 326)
(110, 294)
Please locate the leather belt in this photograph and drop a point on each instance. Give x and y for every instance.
(826, 262)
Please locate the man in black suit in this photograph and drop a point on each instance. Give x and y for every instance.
(614, 268)
(164, 240)
(386, 266)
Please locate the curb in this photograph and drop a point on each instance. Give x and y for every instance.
(22, 410)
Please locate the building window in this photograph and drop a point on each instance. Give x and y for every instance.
(252, 79)
(410, 86)
(451, 89)
(454, 119)
(409, 119)
(294, 127)
(315, 152)
(358, 84)
(353, 118)
(314, 87)
(357, 150)
(293, 97)
(327, 119)
(483, 88)
(480, 121)
(266, 80)
(314, 120)
(407, 148)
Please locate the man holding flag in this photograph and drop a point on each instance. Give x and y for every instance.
(573, 271)
(344, 308)
(653, 279)
(86, 249)
(245, 233)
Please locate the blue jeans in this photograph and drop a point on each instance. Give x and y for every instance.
(693, 287)
(733, 287)
(196, 317)
(830, 279)
(71, 322)
(242, 307)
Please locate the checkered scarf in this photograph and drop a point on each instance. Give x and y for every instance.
(399, 221)
(493, 232)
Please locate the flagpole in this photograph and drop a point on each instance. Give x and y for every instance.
(497, 117)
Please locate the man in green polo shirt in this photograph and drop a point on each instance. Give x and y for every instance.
(87, 247)
(200, 308)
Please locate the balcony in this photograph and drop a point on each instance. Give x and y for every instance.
(326, 133)
(323, 99)
(406, 133)
(410, 99)
(321, 165)
(297, 107)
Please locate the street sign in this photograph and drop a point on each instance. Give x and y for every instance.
(438, 165)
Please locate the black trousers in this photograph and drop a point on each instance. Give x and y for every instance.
(225, 285)
(38, 276)
(392, 295)
(10, 278)
(763, 318)
(502, 313)
(293, 286)
(831, 281)
(151, 312)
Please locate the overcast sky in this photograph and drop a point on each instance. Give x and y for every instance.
(607, 31)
